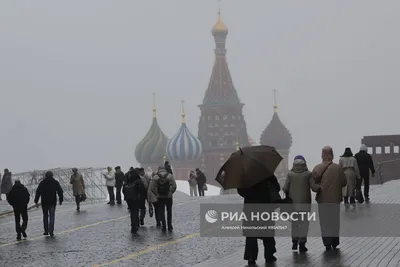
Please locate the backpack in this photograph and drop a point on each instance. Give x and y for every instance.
(163, 185)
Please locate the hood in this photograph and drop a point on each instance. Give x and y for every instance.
(364, 148)
(299, 165)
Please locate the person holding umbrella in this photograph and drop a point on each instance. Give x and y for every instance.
(251, 171)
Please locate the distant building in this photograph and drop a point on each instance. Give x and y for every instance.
(277, 135)
(222, 128)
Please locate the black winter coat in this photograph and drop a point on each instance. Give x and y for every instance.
(19, 196)
(119, 178)
(133, 189)
(259, 194)
(365, 163)
(48, 190)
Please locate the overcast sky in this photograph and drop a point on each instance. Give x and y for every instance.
(76, 77)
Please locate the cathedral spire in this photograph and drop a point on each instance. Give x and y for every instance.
(221, 90)
(154, 106)
(183, 111)
(275, 105)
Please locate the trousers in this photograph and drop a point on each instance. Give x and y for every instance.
(49, 215)
(133, 206)
(111, 194)
(165, 203)
(329, 219)
(251, 247)
(118, 196)
(18, 213)
(193, 190)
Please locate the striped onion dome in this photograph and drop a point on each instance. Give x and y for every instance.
(151, 150)
(184, 146)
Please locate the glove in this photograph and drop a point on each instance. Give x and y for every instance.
(60, 202)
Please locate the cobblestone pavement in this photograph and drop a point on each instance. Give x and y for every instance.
(99, 236)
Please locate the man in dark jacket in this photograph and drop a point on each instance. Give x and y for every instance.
(48, 190)
(119, 182)
(18, 198)
(201, 181)
(132, 193)
(264, 192)
(365, 164)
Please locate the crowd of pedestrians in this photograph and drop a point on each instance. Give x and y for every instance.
(143, 191)
(333, 184)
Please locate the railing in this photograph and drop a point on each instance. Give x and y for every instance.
(94, 182)
(380, 168)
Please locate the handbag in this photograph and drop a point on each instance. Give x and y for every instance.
(83, 197)
(205, 187)
(151, 211)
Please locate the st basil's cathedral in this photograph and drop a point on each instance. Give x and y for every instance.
(221, 131)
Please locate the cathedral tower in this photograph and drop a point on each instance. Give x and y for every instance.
(221, 122)
(277, 135)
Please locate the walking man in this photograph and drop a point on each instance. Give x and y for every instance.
(119, 182)
(48, 190)
(132, 190)
(331, 179)
(365, 164)
(110, 183)
(163, 186)
(18, 198)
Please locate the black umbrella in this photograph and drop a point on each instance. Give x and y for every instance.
(248, 166)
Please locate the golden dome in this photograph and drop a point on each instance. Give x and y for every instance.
(220, 25)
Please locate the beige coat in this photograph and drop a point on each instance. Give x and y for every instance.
(151, 197)
(153, 184)
(331, 182)
(78, 184)
(298, 183)
(350, 168)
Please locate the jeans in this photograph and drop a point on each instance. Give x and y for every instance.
(111, 194)
(18, 213)
(49, 214)
(201, 190)
(165, 203)
(133, 206)
(193, 190)
(118, 197)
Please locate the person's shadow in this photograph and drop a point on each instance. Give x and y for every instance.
(332, 257)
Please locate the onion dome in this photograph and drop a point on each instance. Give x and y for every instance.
(276, 134)
(219, 28)
(152, 148)
(184, 146)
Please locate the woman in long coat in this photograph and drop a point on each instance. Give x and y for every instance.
(78, 187)
(6, 182)
(153, 200)
(350, 168)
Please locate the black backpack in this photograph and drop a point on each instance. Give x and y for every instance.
(131, 191)
(163, 185)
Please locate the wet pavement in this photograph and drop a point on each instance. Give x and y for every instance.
(99, 236)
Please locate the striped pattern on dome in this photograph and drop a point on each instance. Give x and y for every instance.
(151, 149)
(184, 146)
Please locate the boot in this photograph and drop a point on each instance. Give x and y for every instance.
(170, 228)
(24, 234)
(270, 259)
(141, 222)
(328, 248)
(294, 246)
(303, 248)
(251, 263)
(19, 237)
